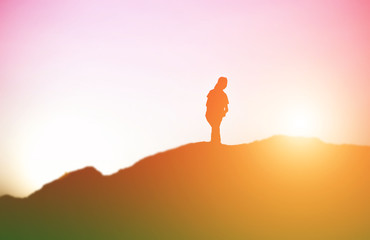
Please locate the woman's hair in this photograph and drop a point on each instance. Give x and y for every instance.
(221, 83)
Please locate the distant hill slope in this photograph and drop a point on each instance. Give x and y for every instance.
(279, 188)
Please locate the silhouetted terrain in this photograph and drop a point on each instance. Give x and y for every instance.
(279, 188)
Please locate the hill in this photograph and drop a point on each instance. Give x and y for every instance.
(278, 188)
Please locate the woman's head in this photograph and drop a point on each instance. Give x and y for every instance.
(222, 83)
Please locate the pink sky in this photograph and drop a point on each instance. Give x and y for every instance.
(105, 83)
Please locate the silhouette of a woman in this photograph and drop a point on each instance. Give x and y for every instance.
(217, 108)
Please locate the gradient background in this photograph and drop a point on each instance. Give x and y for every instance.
(105, 83)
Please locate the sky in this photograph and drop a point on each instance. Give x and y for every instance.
(106, 83)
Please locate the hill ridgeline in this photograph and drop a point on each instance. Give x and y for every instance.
(278, 188)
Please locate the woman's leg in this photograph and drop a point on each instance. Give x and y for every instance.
(215, 122)
(215, 136)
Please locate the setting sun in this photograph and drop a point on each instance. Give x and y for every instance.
(300, 122)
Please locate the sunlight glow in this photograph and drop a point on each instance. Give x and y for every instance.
(62, 143)
(300, 122)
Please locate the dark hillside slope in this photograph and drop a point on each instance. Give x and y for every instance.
(279, 188)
